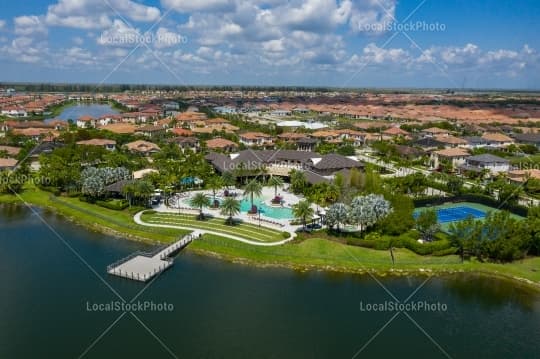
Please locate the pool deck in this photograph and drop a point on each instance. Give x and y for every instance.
(267, 193)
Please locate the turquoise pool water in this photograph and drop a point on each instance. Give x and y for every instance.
(268, 211)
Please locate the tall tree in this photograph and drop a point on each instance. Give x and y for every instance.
(275, 182)
(215, 184)
(298, 181)
(230, 207)
(427, 224)
(302, 210)
(336, 215)
(228, 179)
(367, 210)
(253, 189)
(200, 200)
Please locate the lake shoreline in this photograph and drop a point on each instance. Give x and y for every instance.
(244, 259)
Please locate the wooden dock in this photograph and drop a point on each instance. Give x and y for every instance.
(143, 266)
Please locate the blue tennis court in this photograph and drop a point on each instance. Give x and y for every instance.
(453, 214)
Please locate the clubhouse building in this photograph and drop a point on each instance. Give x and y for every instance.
(316, 167)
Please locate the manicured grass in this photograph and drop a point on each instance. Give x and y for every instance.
(243, 230)
(94, 216)
(320, 253)
(311, 253)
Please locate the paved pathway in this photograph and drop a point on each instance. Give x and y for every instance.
(138, 220)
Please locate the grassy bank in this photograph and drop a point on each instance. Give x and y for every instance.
(328, 255)
(94, 217)
(313, 253)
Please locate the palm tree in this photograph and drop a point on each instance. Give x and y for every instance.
(275, 182)
(215, 184)
(302, 210)
(230, 207)
(200, 200)
(228, 179)
(128, 191)
(298, 181)
(144, 190)
(252, 189)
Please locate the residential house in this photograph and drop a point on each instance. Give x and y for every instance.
(151, 131)
(485, 162)
(7, 163)
(58, 124)
(280, 113)
(86, 122)
(142, 147)
(434, 131)
(221, 144)
(120, 128)
(528, 139)
(450, 141)
(141, 173)
(455, 156)
(409, 152)
(10, 150)
(251, 139)
(393, 133)
(36, 134)
(107, 144)
(356, 138)
(109, 119)
(497, 140)
(474, 142)
(326, 136)
(291, 137)
(306, 144)
(14, 112)
(522, 176)
(181, 132)
(187, 143)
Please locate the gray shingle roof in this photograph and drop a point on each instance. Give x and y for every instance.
(337, 162)
(487, 158)
(528, 137)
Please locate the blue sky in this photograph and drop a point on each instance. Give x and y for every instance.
(353, 43)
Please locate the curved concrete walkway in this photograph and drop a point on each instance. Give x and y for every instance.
(138, 220)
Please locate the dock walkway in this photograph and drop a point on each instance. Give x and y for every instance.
(142, 266)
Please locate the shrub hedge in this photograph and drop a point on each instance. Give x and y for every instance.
(408, 240)
(115, 204)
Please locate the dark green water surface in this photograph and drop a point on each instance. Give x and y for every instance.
(224, 310)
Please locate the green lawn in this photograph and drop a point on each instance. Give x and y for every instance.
(94, 216)
(312, 253)
(324, 254)
(243, 230)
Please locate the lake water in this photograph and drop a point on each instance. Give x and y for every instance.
(85, 109)
(225, 310)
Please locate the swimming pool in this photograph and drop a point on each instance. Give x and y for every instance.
(268, 211)
(454, 214)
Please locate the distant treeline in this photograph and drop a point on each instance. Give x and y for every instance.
(74, 87)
